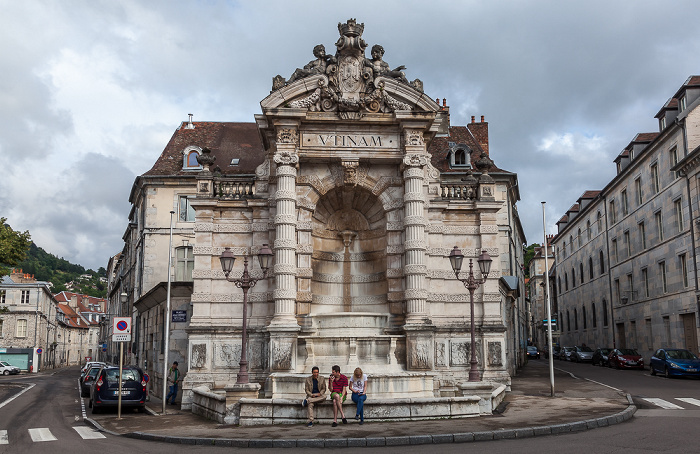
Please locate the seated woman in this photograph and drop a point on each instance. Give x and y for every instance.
(358, 386)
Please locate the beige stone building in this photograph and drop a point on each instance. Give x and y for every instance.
(627, 255)
(537, 292)
(359, 184)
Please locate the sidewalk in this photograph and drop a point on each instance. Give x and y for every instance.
(527, 411)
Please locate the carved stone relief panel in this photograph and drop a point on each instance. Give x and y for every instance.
(199, 356)
(227, 355)
(460, 353)
(495, 354)
(419, 352)
(441, 353)
(281, 354)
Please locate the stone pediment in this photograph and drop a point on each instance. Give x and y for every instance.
(349, 83)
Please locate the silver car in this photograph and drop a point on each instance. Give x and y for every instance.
(7, 368)
(582, 353)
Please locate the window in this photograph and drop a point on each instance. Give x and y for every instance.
(186, 210)
(571, 242)
(617, 290)
(460, 158)
(650, 338)
(189, 158)
(590, 267)
(21, 330)
(659, 225)
(613, 218)
(638, 191)
(602, 262)
(662, 123)
(576, 319)
(645, 279)
(2, 296)
(655, 178)
(625, 207)
(563, 249)
(0, 329)
(643, 235)
(585, 322)
(573, 277)
(600, 222)
(595, 316)
(662, 275)
(580, 265)
(673, 158)
(678, 211)
(667, 329)
(628, 247)
(588, 230)
(580, 241)
(630, 287)
(683, 262)
(25, 297)
(568, 321)
(605, 313)
(559, 286)
(614, 250)
(682, 103)
(566, 281)
(184, 264)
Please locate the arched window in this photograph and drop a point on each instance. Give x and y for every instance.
(585, 323)
(568, 321)
(595, 316)
(600, 222)
(189, 158)
(566, 281)
(559, 286)
(580, 241)
(588, 230)
(605, 313)
(459, 155)
(460, 158)
(561, 320)
(580, 265)
(576, 319)
(571, 242)
(573, 277)
(602, 263)
(590, 267)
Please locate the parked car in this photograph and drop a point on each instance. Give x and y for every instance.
(532, 352)
(674, 362)
(600, 356)
(104, 391)
(556, 350)
(566, 353)
(88, 365)
(87, 379)
(582, 353)
(7, 368)
(627, 358)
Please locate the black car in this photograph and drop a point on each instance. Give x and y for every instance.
(87, 379)
(105, 389)
(532, 352)
(600, 356)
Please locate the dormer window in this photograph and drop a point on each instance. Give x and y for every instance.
(662, 123)
(459, 155)
(682, 104)
(189, 158)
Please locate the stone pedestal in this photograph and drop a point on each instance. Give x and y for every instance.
(490, 394)
(234, 392)
(420, 347)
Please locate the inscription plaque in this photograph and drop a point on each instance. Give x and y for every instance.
(369, 141)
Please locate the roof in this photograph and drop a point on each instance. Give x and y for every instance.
(692, 81)
(72, 319)
(590, 195)
(225, 140)
(439, 148)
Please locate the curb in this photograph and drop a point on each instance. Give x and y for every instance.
(501, 434)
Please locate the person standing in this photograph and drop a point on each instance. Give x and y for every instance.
(358, 387)
(173, 380)
(338, 383)
(315, 393)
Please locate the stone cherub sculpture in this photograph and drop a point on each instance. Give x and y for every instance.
(381, 68)
(317, 66)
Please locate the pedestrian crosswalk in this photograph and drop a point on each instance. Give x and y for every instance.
(42, 434)
(694, 404)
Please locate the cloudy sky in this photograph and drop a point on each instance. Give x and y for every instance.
(91, 91)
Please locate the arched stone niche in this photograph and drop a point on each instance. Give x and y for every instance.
(349, 253)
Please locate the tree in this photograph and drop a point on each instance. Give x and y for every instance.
(13, 247)
(529, 254)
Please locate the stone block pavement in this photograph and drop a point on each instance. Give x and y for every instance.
(527, 411)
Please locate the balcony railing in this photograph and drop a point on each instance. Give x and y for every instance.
(459, 191)
(234, 190)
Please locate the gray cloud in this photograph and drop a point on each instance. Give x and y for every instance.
(91, 92)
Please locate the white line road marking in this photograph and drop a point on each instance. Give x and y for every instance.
(42, 434)
(662, 403)
(689, 400)
(17, 395)
(3, 438)
(88, 433)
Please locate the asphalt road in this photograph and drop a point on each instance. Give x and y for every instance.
(48, 418)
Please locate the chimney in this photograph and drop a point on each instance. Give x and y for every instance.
(444, 102)
(482, 118)
(480, 131)
(189, 123)
(473, 117)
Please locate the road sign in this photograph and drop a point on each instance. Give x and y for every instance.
(121, 329)
(38, 351)
(179, 316)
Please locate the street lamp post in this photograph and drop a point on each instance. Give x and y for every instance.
(245, 282)
(471, 283)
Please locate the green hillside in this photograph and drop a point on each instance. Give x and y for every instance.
(60, 272)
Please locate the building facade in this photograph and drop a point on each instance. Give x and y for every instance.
(537, 292)
(359, 184)
(627, 255)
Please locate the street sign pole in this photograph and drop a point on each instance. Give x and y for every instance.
(121, 365)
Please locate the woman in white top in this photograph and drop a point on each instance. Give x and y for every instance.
(358, 386)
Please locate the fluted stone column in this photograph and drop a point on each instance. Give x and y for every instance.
(283, 327)
(418, 327)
